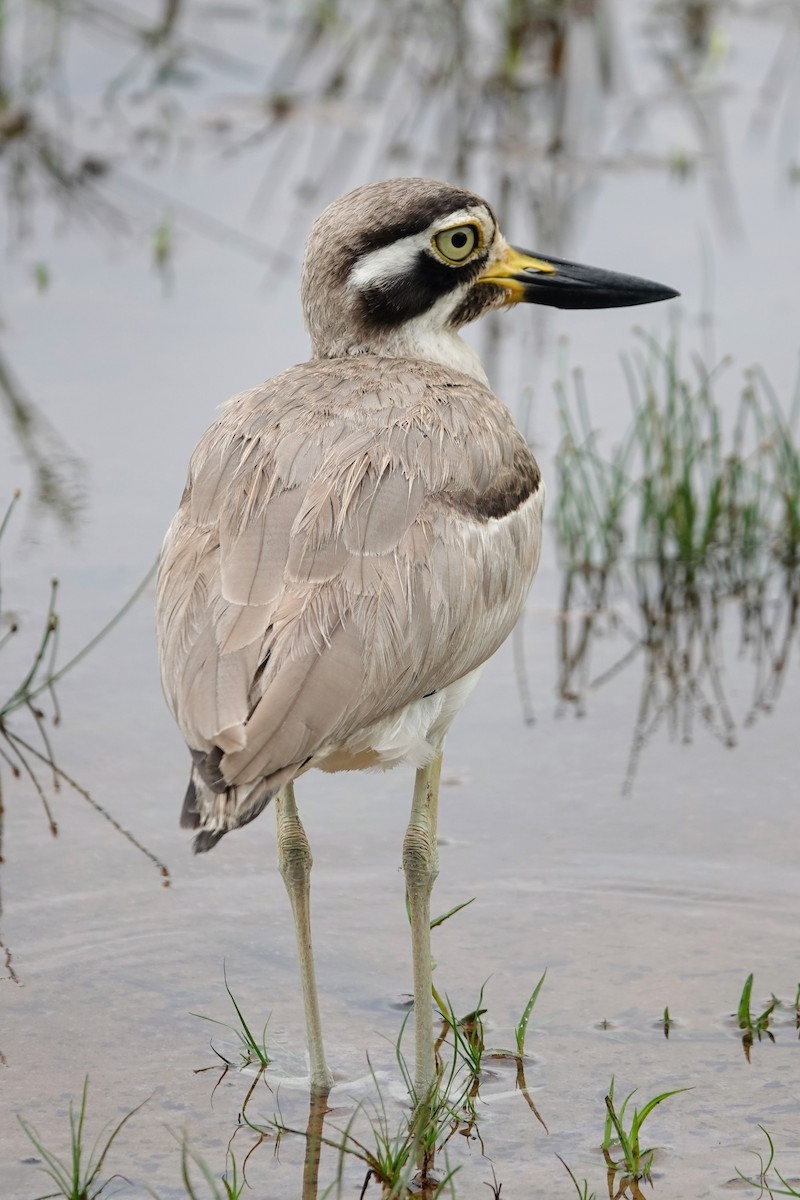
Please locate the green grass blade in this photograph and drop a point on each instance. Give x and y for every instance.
(258, 1050)
(522, 1027)
(54, 1168)
(743, 1011)
(639, 1117)
(452, 912)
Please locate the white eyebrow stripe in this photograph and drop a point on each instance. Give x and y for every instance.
(388, 262)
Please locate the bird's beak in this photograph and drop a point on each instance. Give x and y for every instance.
(554, 281)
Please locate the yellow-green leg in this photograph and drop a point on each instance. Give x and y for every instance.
(294, 864)
(421, 866)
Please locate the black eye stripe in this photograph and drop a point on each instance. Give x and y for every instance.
(391, 301)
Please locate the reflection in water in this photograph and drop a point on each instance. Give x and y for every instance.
(690, 42)
(317, 1109)
(684, 524)
(404, 1148)
(26, 744)
(776, 1014)
(57, 473)
(619, 1184)
(677, 633)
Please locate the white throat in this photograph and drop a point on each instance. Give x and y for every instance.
(421, 338)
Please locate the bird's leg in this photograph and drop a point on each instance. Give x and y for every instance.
(294, 864)
(421, 866)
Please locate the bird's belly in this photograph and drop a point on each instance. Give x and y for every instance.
(413, 735)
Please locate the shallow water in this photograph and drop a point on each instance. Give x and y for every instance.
(668, 896)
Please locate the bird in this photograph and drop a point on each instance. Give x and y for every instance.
(357, 536)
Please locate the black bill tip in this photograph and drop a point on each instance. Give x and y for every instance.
(573, 285)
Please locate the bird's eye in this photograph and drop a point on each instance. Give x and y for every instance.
(456, 244)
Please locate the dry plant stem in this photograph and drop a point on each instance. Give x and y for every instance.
(294, 864)
(20, 745)
(421, 866)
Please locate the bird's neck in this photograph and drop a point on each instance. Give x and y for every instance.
(414, 339)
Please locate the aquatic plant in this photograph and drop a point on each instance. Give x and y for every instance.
(522, 1026)
(251, 1048)
(636, 1161)
(402, 1154)
(688, 514)
(583, 1191)
(396, 1156)
(78, 1176)
(518, 1054)
(753, 1026)
(762, 1180)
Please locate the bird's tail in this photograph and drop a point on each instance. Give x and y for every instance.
(215, 811)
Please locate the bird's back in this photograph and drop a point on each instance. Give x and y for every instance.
(355, 535)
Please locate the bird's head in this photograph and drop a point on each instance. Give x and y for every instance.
(398, 267)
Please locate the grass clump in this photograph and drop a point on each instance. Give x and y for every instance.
(682, 489)
(697, 507)
(408, 1156)
(751, 1025)
(251, 1048)
(78, 1175)
(399, 1157)
(637, 1162)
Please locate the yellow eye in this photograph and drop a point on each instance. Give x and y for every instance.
(456, 244)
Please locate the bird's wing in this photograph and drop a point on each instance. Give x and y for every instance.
(353, 536)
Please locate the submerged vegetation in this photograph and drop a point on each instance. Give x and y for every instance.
(695, 514)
